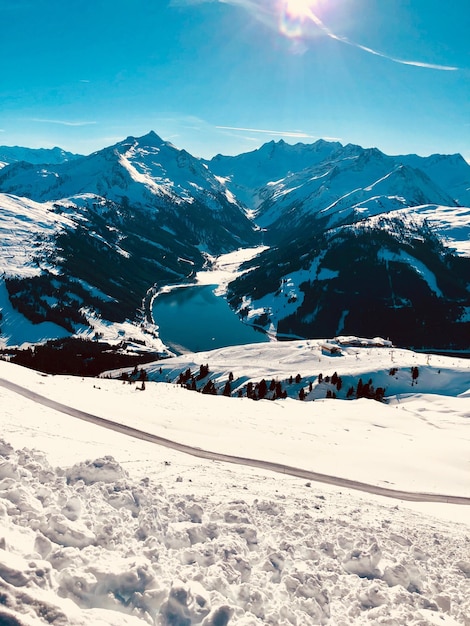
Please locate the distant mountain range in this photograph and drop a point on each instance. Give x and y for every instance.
(38, 156)
(358, 242)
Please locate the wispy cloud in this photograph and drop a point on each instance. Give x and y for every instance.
(276, 133)
(277, 15)
(61, 122)
(430, 66)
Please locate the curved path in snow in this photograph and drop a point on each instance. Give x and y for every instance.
(398, 494)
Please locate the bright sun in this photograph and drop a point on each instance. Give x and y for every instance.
(299, 9)
(296, 16)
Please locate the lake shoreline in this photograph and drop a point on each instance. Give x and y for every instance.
(212, 323)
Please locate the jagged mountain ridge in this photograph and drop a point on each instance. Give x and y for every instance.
(248, 174)
(348, 191)
(14, 154)
(450, 172)
(143, 212)
(144, 172)
(256, 174)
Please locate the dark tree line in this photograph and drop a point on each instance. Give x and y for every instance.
(79, 357)
(275, 389)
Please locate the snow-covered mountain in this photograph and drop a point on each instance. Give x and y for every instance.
(144, 172)
(355, 237)
(113, 225)
(253, 176)
(359, 240)
(450, 172)
(13, 154)
(140, 169)
(344, 193)
(247, 174)
(385, 275)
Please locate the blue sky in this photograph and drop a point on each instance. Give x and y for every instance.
(228, 75)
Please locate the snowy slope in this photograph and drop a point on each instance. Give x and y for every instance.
(27, 231)
(13, 154)
(27, 237)
(387, 275)
(346, 190)
(28, 250)
(451, 172)
(142, 170)
(246, 174)
(144, 173)
(152, 536)
(452, 224)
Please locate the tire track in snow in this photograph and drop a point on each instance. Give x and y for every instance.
(337, 481)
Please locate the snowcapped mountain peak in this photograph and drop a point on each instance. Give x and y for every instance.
(151, 142)
(450, 172)
(364, 181)
(151, 138)
(375, 153)
(371, 156)
(142, 169)
(250, 172)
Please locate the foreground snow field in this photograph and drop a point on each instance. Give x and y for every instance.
(99, 528)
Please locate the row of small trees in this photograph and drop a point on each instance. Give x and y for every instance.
(414, 374)
(276, 389)
(254, 390)
(335, 380)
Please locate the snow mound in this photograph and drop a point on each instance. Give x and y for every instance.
(92, 545)
(101, 470)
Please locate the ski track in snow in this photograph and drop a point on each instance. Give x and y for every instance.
(239, 460)
(97, 528)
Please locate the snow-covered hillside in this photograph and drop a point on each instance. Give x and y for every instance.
(256, 176)
(386, 275)
(27, 231)
(100, 528)
(450, 172)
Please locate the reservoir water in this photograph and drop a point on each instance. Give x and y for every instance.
(194, 319)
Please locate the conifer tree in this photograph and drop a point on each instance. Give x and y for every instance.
(262, 389)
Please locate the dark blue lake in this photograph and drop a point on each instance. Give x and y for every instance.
(195, 319)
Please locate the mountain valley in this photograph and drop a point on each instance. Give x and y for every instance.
(352, 241)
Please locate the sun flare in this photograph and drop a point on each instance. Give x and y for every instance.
(295, 17)
(299, 9)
